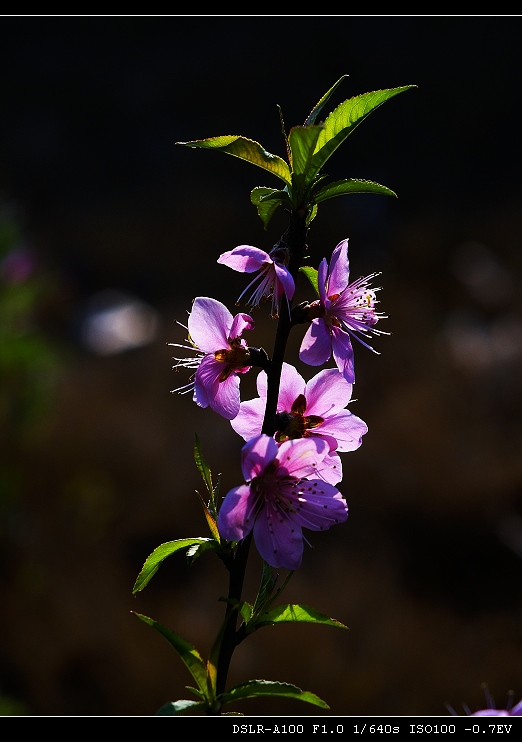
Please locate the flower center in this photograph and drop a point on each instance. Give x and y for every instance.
(233, 358)
(295, 424)
(271, 489)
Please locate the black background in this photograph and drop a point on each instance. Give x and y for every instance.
(426, 572)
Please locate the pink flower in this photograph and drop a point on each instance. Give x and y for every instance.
(515, 711)
(278, 500)
(222, 355)
(343, 310)
(490, 709)
(274, 278)
(307, 410)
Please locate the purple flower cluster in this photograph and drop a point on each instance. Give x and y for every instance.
(307, 410)
(290, 477)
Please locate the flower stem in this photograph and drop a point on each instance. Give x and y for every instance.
(230, 640)
(295, 240)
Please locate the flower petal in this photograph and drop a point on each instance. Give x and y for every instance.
(338, 274)
(327, 393)
(322, 275)
(248, 422)
(285, 280)
(240, 323)
(206, 380)
(301, 457)
(237, 513)
(209, 324)
(291, 386)
(343, 353)
(330, 469)
(316, 347)
(320, 505)
(261, 383)
(279, 542)
(226, 401)
(256, 455)
(245, 258)
(347, 429)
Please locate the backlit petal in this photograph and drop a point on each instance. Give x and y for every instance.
(330, 469)
(338, 274)
(209, 324)
(226, 400)
(327, 393)
(316, 347)
(300, 457)
(240, 323)
(321, 506)
(322, 275)
(237, 513)
(261, 383)
(343, 353)
(245, 258)
(347, 429)
(285, 279)
(291, 386)
(206, 380)
(280, 544)
(256, 454)
(249, 420)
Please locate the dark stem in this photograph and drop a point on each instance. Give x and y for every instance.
(284, 326)
(229, 640)
(295, 240)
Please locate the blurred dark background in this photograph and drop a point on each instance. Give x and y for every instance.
(108, 230)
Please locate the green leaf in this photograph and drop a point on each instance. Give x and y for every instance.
(209, 509)
(152, 563)
(294, 613)
(311, 215)
(253, 688)
(196, 550)
(196, 692)
(211, 519)
(246, 610)
(273, 195)
(351, 185)
(266, 201)
(265, 596)
(245, 149)
(266, 588)
(342, 121)
(311, 274)
(302, 141)
(318, 108)
(188, 654)
(178, 708)
(203, 467)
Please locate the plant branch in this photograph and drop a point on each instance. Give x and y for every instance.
(229, 641)
(295, 240)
